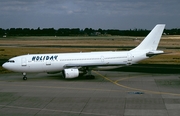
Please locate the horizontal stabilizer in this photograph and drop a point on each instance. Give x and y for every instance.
(153, 53)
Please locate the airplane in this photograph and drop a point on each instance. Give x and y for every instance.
(73, 64)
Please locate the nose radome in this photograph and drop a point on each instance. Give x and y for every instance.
(4, 65)
(7, 66)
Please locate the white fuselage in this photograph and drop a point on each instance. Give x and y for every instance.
(57, 62)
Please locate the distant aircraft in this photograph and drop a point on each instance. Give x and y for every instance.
(72, 64)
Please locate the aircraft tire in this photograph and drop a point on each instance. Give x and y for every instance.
(24, 78)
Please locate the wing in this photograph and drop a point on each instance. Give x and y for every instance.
(94, 66)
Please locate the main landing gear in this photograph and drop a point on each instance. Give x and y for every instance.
(89, 75)
(24, 76)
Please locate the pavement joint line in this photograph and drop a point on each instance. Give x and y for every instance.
(131, 88)
(52, 110)
(45, 106)
(89, 89)
(84, 106)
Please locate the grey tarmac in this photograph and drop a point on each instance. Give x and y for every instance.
(111, 93)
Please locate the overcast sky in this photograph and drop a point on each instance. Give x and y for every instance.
(104, 14)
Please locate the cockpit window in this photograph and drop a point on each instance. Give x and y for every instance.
(11, 61)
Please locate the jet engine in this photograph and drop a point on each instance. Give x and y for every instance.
(70, 73)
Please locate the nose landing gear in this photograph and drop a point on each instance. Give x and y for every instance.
(24, 76)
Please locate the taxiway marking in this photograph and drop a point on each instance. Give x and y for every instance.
(116, 82)
(60, 87)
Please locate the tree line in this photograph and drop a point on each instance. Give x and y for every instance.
(79, 32)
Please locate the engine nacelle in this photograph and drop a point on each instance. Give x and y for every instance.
(70, 73)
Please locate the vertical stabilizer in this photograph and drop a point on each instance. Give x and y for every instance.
(150, 43)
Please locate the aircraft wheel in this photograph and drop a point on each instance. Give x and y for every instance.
(24, 78)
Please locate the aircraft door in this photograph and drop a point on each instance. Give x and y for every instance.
(102, 59)
(23, 61)
(129, 59)
(47, 65)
